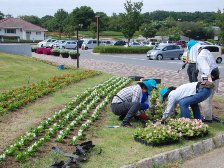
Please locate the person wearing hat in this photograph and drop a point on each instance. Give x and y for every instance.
(128, 102)
(192, 54)
(186, 95)
(209, 71)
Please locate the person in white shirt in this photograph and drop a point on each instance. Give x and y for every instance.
(192, 54)
(209, 71)
(186, 95)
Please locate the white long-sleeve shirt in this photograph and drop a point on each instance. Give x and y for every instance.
(176, 95)
(192, 58)
(206, 63)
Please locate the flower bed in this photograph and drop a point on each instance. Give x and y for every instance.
(189, 128)
(61, 123)
(157, 134)
(40, 50)
(47, 51)
(16, 98)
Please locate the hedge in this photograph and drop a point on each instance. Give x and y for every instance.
(121, 49)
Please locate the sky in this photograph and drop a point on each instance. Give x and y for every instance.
(41, 8)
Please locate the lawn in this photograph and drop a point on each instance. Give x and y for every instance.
(116, 144)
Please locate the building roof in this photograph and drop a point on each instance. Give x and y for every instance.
(19, 23)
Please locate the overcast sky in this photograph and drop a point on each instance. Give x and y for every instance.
(41, 8)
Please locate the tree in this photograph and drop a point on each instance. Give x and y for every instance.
(147, 30)
(220, 23)
(1, 15)
(115, 22)
(131, 19)
(83, 15)
(103, 20)
(32, 19)
(61, 17)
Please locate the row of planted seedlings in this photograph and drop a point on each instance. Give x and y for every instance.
(16, 98)
(172, 130)
(62, 123)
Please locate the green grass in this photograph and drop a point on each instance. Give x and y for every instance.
(17, 70)
(117, 145)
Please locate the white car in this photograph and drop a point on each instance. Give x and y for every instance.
(214, 49)
(45, 43)
(90, 43)
(70, 44)
(134, 44)
(57, 43)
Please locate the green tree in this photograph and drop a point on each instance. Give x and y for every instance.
(32, 19)
(147, 30)
(61, 18)
(103, 20)
(220, 23)
(115, 22)
(131, 19)
(83, 15)
(1, 15)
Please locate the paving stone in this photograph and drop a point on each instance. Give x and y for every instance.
(186, 152)
(173, 155)
(128, 166)
(145, 163)
(218, 141)
(159, 159)
(198, 148)
(208, 145)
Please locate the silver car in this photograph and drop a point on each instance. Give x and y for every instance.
(164, 51)
(70, 44)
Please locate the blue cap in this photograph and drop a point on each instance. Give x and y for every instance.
(162, 92)
(190, 44)
(149, 84)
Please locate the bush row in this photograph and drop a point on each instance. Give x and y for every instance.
(121, 49)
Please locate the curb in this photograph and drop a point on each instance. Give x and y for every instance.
(180, 154)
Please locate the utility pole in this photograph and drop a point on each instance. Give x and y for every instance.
(97, 29)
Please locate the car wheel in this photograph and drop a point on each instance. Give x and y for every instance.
(86, 48)
(219, 60)
(41, 45)
(159, 57)
(180, 56)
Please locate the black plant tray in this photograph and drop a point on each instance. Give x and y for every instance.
(142, 141)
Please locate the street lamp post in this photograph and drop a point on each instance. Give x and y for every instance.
(97, 29)
(77, 47)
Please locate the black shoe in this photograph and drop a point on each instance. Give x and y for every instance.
(126, 124)
(121, 117)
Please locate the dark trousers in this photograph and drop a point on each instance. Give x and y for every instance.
(192, 72)
(127, 109)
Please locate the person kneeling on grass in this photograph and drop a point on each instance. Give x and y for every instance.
(186, 95)
(127, 102)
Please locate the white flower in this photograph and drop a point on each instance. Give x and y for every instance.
(2, 156)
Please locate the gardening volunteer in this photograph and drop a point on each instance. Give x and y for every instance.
(192, 54)
(127, 102)
(186, 95)
(209, 71)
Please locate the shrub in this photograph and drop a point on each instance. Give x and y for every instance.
(64, 53)
(34, 48)
(47, 51)
(222, 50)
(40, 50)
(73, 54)
(55, 52)
(121, 49)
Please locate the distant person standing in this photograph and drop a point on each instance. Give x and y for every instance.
(209, 71)
(192, 54)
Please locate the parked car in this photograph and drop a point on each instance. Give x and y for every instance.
(134, 44)
(151, 44)
(214, 49)
(120, 43)
(107, 43)
(164, 51)
(89, 44)
(56, 44)
(46, 42)
(70, 44)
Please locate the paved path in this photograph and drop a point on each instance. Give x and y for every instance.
(213, 159)
(169, 77)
